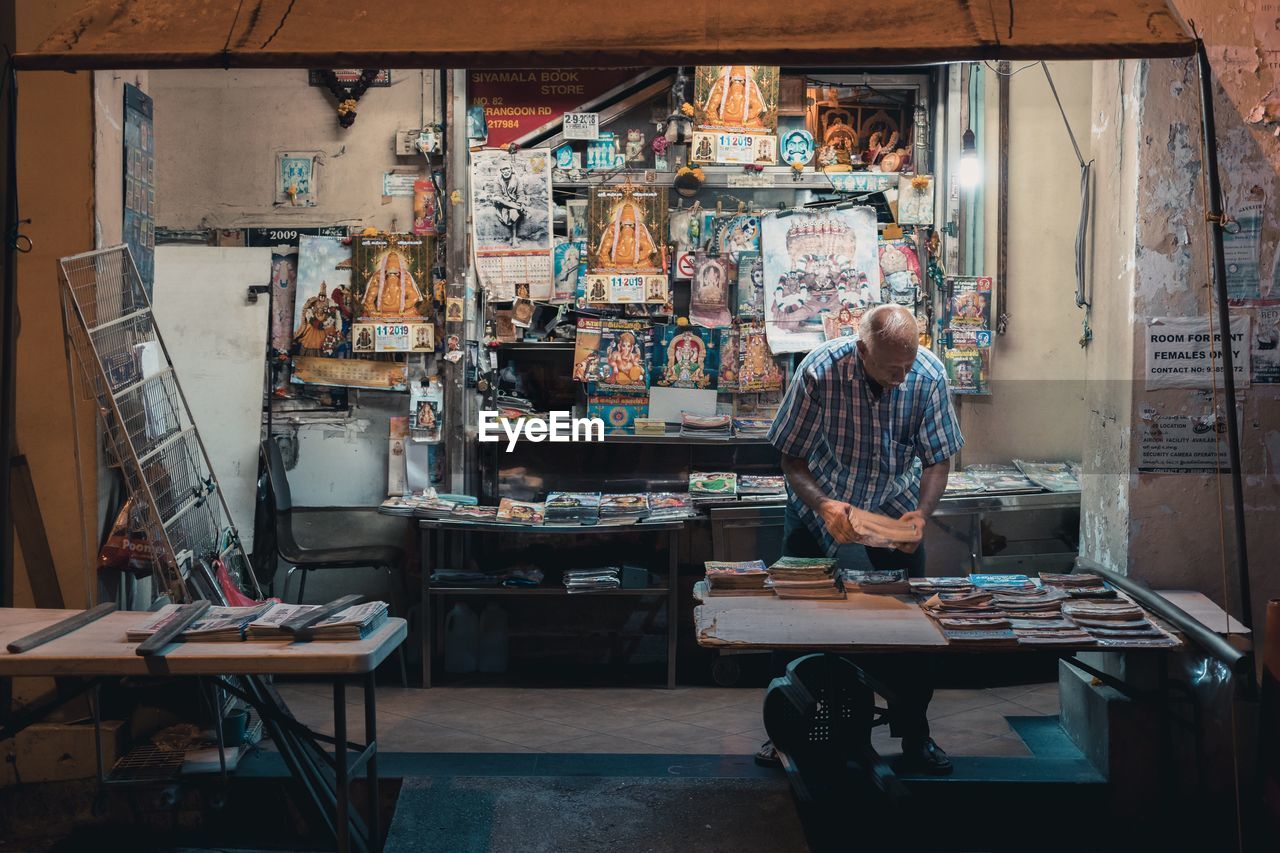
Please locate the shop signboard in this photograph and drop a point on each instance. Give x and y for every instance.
(518, 101)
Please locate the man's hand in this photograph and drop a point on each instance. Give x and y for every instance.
(917, 520)
(835, 517)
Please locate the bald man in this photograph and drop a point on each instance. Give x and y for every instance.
(867, 426)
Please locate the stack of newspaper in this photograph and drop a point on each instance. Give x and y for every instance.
(800, 577)
(877, 581)
(590, 580)
(354, 623)
(218, 625)
(743, 578)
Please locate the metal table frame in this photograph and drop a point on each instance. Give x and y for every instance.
(434, 538)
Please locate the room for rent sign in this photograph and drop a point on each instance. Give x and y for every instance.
(1183, 353)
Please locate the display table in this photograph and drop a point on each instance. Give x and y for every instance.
(437, 535)
(100, 650)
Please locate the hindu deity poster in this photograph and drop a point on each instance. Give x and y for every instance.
(323, 304)
(284, 285)
(426, 406)
(814, 261)
(729, 359)
(570, 266)
(737, 234)
(736, 98)
(750, 285)
(900, 271)
(624, 356)
(391, 277)
(511, 218)
(967, 318)
(842, 323)
(586, 350)
(757, 368)
(967, 369)
(709, 292)
(686, 357)
(626, 247)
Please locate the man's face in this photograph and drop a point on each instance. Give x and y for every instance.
(886, 362)
(505, 172)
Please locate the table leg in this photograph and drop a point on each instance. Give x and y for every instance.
(371, 770)
(673, 592)
(340, 765)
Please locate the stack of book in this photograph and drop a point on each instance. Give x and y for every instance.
(623, 508)
(713, 485)
(744, 578)
(761, 487)
(591, 580)
(1052, 476)
(926, 587)
(473, 513)
(752, 427)
(572, 508)
(800, 577)
(670, 505)
(1001, 582)
(877, 581)
(1081, 585)
(1051, 629)
(519, 512)
(970, 617)
(219, 624)
(1036, 599)
(1118, 623)
(705, 426)
(353, 623)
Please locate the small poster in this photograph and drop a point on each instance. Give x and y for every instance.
(603, 154)
(736, 98)
(729, 359)
(570, 266)
(899, 273)
(1181, 352)
(750, 286)
(426, 402)
(586, 350)
(797, 148)
(1241, 250)
(398, 183)
(709, 293)
(1266, 346)
(842, 323)
(736, 234)
(626, 252)
(391, 277)
(686, 357)
(967, 314)
(619, 413)
(296, 178)
(511, 218)
(323, 304)
(581, 126)
(284, 286)
(967, 369)
(812, 261)
(1183, 444)
(424, 207)
(624, 356)
(757, 368)
(915, 200)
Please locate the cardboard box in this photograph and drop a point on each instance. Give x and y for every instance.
(57, 752)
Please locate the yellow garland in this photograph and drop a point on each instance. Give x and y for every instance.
(347, 106)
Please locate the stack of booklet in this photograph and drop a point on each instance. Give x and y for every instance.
(464, 512)
(970, 617)
(925, 587)
(705, 426)
(572, 508)
(801, 577)
(761, 486)
(590, 580)
(670, 505)
(713, 485)
(619, 507)
(1080, 585)
(519, 512)
(743, 578)
(1053, 476)
(877, 581)
(1119, 623)
(219, 624)
(1001, 479)
(1001, 582)
(752, 427)
(960, 483)
(353, 623)
(1036, 599)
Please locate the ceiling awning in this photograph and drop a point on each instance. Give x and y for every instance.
(126, 34)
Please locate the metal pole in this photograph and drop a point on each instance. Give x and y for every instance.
(453, 376)
(1213, 202)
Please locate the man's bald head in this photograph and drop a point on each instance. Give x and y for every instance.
(887, 342)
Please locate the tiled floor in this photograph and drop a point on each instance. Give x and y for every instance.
(689, 720)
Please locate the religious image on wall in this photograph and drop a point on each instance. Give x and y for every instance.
(842, 323)
(968, 369)
(626, 248)
(729, 359)
(737, 234)
(284, 286)
(757, 368)
(736, 98)
(750, 285)
(967, 314)
(624, 356)
(511, 218)
(570, 268)
(586, 350)
(900, 272)
(686, 357)
(426, 405)
(322, 313)
(391, 277)
(812, 261)
(709, 293)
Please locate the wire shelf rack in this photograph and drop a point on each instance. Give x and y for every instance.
(147, 426)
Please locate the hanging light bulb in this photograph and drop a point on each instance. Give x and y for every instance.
(970, 165)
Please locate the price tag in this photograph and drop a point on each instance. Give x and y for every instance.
(390, 337)
(582, 126)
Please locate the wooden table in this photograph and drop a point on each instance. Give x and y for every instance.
(100, 650)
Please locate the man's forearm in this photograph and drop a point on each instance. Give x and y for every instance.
(933, 482)
(802, 482)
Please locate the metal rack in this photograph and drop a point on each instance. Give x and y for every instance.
(147, 424)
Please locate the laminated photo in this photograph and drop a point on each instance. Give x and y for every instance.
(915, 200)
(323, 305)
(709, 292)
(391, 277)
(570, 267)
(757, 368)
(814, 261)
(624, 356)
(750, 286)
(737, 234)
(736, 98)
(426, 404)
(511, 217)
(900, 272)
(728, 359)
(686, 357)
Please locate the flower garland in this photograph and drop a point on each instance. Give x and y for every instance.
(348, 97)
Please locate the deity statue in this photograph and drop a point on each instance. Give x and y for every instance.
(626, 242)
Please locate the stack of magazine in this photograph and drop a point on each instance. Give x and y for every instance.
(742, 578)
(713, 485)
(705, 426)
(670, 505)
(354, 623)
(617, 508)
(219, 624)
(572, 508)
(800, 577)
(591, 580)
(761, 487)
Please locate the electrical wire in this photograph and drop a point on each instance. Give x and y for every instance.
(996, 70)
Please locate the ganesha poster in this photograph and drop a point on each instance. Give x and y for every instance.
(626, 249)
(736, 98)
(624, 357)
(686, 357)
(391, 277)
(815, 262)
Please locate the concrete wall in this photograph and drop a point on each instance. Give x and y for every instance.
(217, 134)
